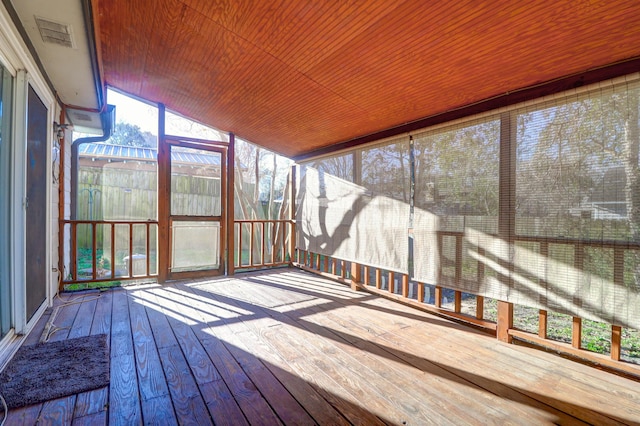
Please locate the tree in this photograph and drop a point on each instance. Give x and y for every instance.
(128, 134)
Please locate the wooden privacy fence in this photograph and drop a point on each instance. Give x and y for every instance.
(432, 297)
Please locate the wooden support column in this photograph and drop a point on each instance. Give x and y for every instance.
(420, 292)
(366, 275)
(392, 282)
(356, 276)
(506, 219)
(505, 321)
(343, 269)
(378, 278)
(292, 214)
(437, 297)
(164, 193)
(230, 202)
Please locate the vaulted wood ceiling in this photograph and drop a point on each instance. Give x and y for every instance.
(301, 76)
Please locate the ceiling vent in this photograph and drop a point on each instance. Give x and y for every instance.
(54, 32)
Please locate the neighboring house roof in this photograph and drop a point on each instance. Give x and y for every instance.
(121, 152)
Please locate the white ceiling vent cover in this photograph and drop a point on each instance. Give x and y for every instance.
(55, 32)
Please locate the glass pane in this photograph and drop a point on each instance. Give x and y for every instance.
(5, 174)
(195, 182)
(195, 246)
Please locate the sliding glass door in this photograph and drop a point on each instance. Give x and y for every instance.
(6, 83)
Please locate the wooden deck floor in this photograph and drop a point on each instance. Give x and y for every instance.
(287, 347)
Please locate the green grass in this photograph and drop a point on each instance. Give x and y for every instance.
(91, 285)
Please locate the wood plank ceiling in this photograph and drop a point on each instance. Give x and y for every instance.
(302, 76)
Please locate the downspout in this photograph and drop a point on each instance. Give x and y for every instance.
(108, 120)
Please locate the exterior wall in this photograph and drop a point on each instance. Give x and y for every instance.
(15, 56)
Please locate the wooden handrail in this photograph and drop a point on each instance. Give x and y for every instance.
(96, 273)
(265, 249)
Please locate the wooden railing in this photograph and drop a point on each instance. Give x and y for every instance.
(399, 287)
(108, 250)
(262, 243)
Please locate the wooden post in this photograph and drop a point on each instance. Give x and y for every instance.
(334, 266)
(164, 197)
(480, 307)
(292, 213)
(437, 297)
(616, 342)
(392, 282)
(366, 280)
(343, 269)
(542, 324)
(230, 202)
(505, 321)
(356, 276)
(420, 292)
(378, 278)
(506, 218)
(576, 333)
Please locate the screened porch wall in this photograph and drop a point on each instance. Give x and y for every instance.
(537, 205)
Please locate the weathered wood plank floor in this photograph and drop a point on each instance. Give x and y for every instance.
(287, 347)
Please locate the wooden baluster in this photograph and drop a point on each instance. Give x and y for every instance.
(618, 279)
(405, 285)
(147, 248)
(457, 301)
(378, 278)
(392, 282)
(366, 279)
(113, 250)
(480, 279)
(438, 297)
(94, 252)
(420, 292)
(74, 251)
(334, 266)
(343, 269)
(130, 249)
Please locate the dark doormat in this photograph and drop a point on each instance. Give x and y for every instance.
(52, 370)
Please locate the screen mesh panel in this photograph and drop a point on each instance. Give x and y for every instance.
(456, 204)
(366, 222)
(577, 197)
(536, 205)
